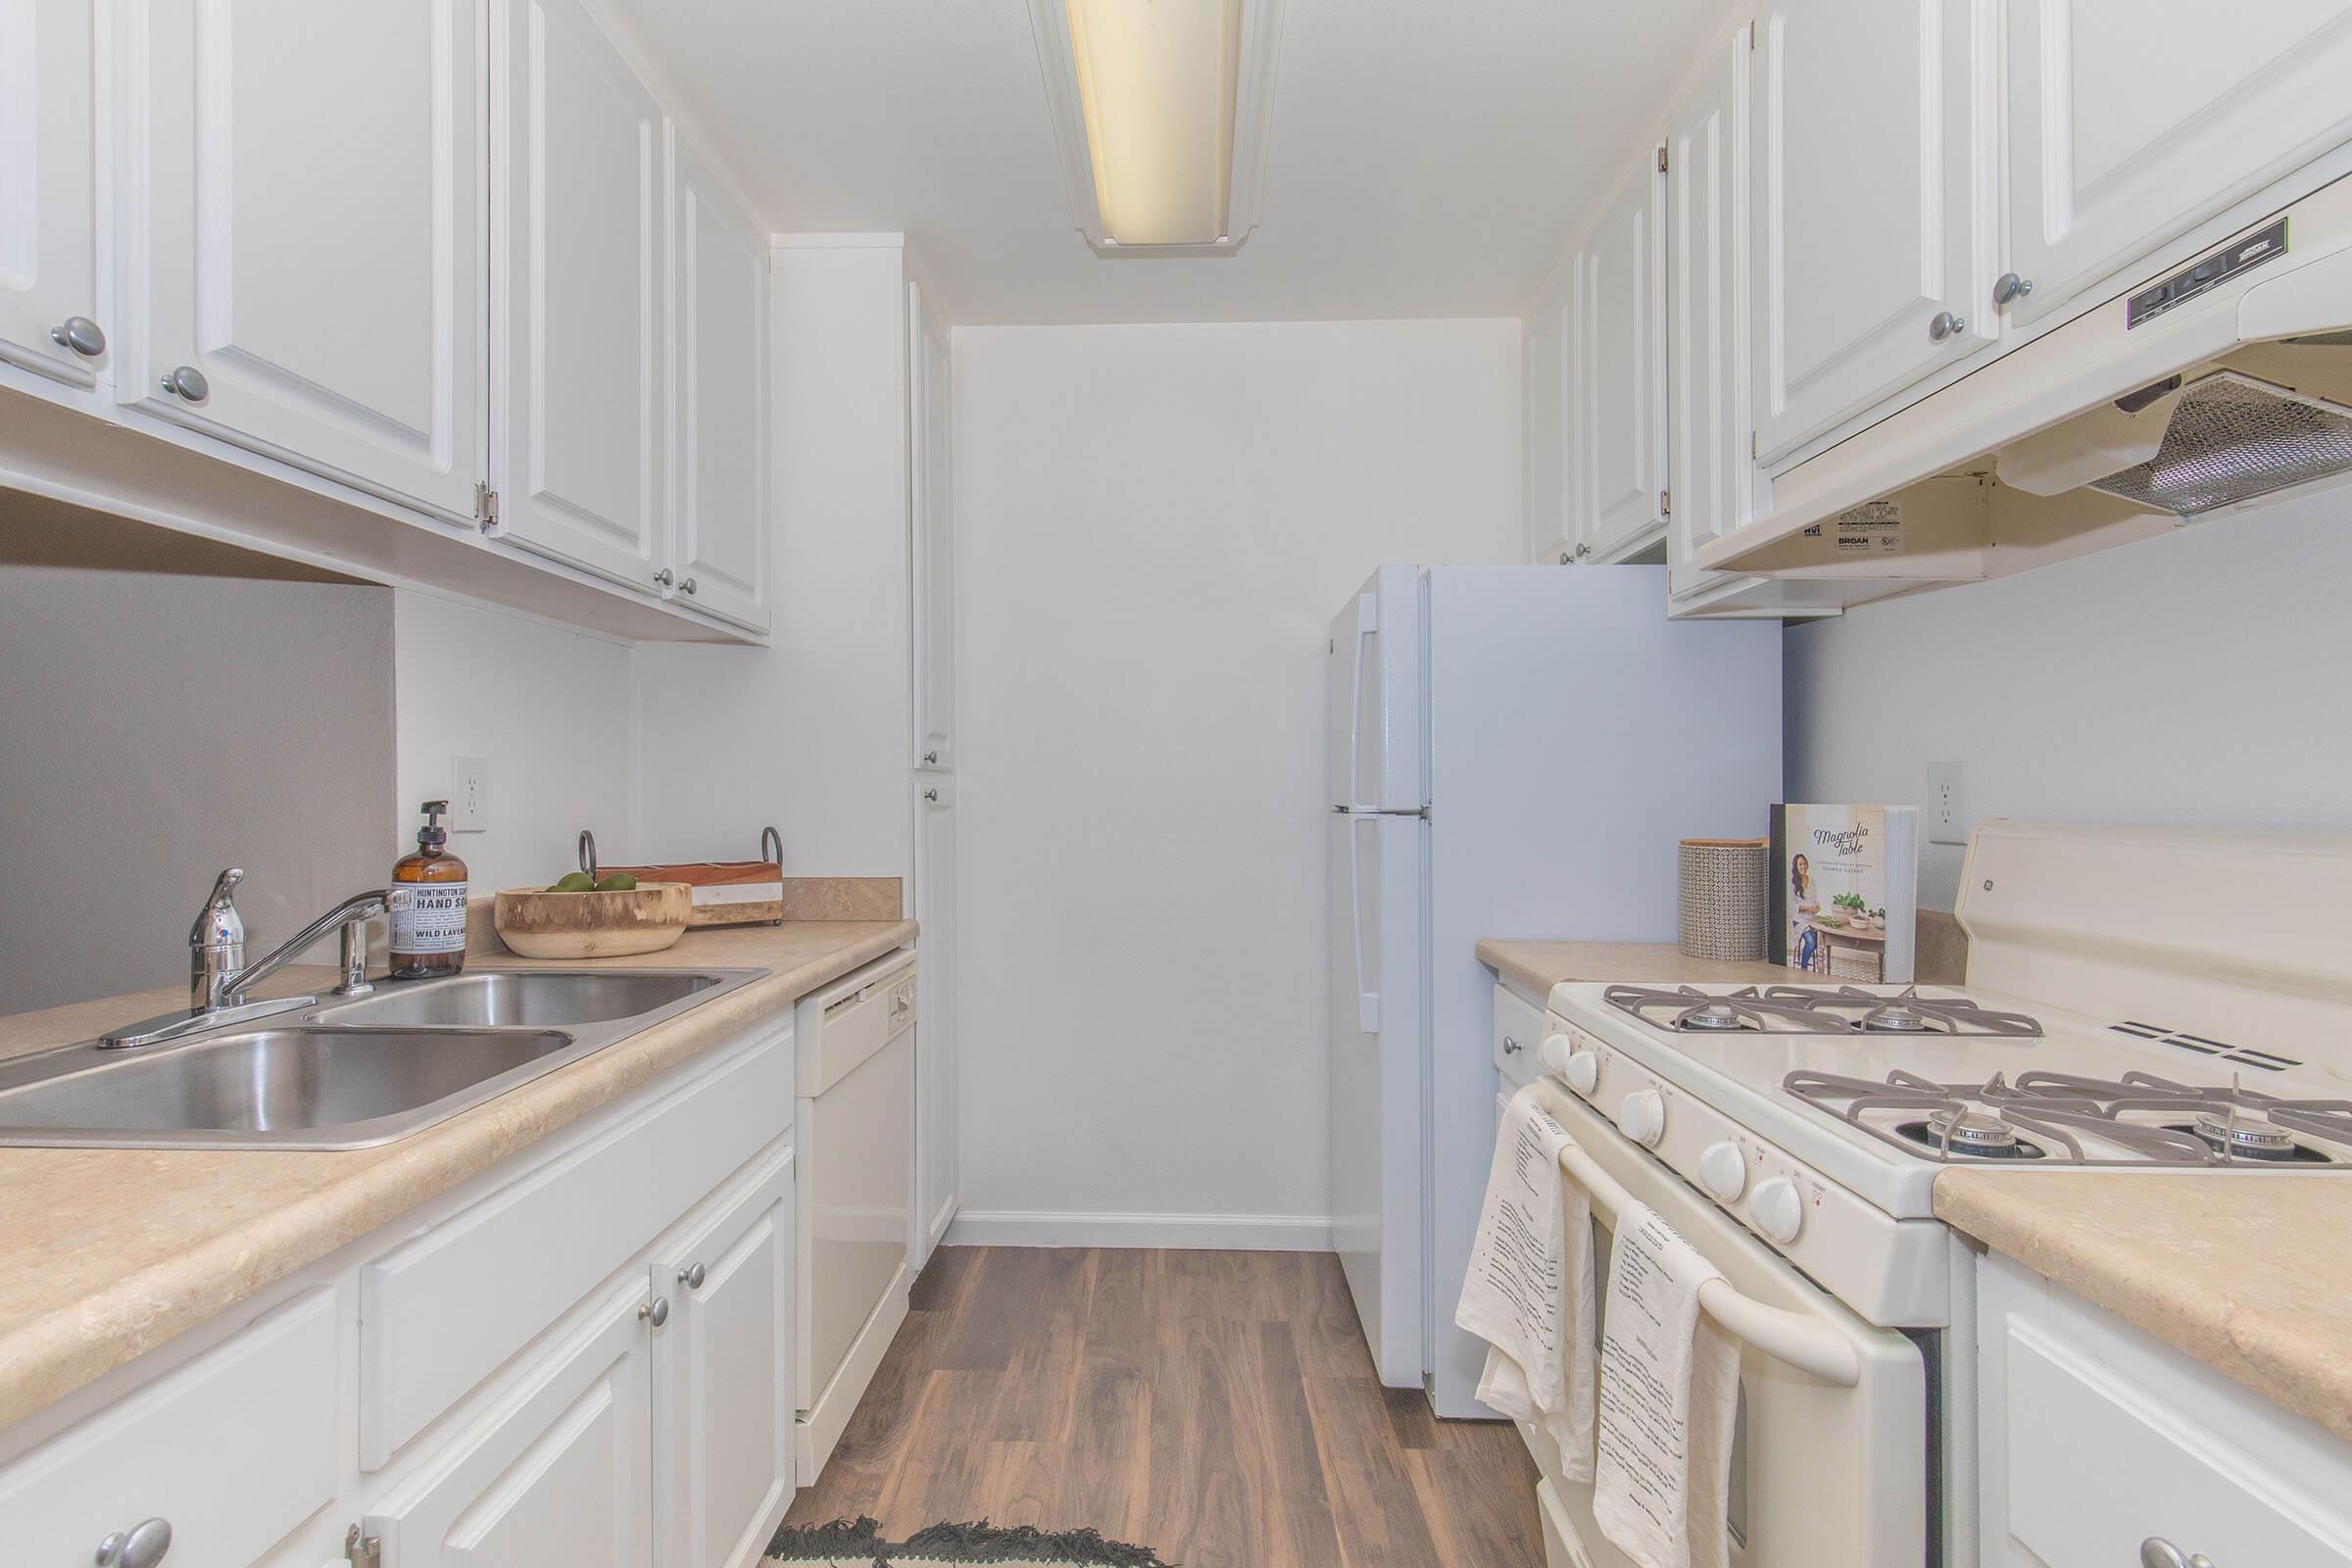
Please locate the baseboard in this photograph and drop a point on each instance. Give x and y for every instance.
(1248, 1233)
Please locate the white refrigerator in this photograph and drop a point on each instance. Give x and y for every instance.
(1512, 752)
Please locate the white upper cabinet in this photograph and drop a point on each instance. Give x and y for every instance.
(929, 386)
(304, 213)
(718, 271)
(1875, 170)
(1551, 368)
(52, 319)
(1706, 324)
(577, 363)
(2131, 122)
(1622, 392)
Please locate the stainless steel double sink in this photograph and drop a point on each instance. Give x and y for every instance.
(343, 1073)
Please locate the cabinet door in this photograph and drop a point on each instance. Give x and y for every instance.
(1707, 316)
(557, 1475)
(718, 270)
(305, 230)
(576, 365)
(938, 1122)
(2131, 122)
(1625, 367)
(1549, 399)
(723, 1460)
(928, 383)
(1872, 195)
(48, 171)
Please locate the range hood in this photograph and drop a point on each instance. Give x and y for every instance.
(2222, 382)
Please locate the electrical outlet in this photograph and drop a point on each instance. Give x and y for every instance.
(1947, 813)
(469, 793)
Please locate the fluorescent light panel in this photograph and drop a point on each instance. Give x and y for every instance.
(1158, 81)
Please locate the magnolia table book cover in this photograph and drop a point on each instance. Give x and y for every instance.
(1845, 889)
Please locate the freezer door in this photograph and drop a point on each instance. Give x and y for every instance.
(1372, 697)
(1375, 902)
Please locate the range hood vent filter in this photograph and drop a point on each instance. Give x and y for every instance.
(2232, 438)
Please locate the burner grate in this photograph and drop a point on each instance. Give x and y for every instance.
(2149, 1120)
(1815, 1010)
(2238, 1055)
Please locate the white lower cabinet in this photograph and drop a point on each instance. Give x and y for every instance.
(723, 1457)
(229, 1453)
(557, 1475)
(638, 1414)
(2098, 1445)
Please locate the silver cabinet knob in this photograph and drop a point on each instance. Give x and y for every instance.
(2011, 287)
(930, 759)
(1509, 1044)
(1946, 324)
(1582, 550)
(2158, 1552)
(687, 586)
(656, 1312)
(692, 1276)
(142, 1545)
(189, 384)
(80, 335)
(932, 795)
(665, 577)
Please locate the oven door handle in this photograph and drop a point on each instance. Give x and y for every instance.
(1784, 1336)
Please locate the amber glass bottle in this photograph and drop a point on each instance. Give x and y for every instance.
(428, 897)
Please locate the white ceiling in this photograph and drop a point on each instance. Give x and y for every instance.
(1429, 158)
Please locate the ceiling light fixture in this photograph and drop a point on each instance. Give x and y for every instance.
(1160, 109)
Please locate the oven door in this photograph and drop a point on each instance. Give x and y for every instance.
(1823, 1476)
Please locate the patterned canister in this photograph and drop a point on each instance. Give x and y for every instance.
(1723, 886)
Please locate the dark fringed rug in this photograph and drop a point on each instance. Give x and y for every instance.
(859, 1544)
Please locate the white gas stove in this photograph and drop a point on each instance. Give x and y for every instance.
(1820, 1115)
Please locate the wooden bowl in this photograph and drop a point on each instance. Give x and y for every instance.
(646, 918)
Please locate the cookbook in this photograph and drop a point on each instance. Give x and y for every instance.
(1845, 891)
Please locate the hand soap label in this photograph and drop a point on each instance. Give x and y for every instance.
(428, 917)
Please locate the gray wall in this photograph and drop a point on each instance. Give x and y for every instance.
(154, 727)
(2197, 677)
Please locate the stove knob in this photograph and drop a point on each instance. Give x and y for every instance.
(1582, 1071)
(1777, 1210)
(1724, 1169)
(1643, 1116)
(1552, 1055)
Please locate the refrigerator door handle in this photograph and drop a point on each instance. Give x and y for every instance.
(1367, 1002)
(1367, 621)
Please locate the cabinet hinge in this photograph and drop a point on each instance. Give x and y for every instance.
(1751, 446)
(363, 1551)
(1661, 160)
(485, 505)
(1665, 503)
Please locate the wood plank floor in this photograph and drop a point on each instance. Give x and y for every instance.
(1219, 1407)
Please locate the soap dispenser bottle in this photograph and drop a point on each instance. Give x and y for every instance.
(428, 903)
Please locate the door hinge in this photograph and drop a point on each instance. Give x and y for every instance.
(1751, 446)
(363, 1551)
(485, 505)
(1665, 503)
(1661, 160)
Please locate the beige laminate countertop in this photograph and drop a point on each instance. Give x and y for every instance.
(2251, 1275)
(1535, 967)
(105, 1253)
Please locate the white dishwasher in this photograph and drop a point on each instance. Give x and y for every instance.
(855, 1125)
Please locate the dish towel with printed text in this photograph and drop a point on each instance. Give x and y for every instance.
(1529, 1293)
(1668, 1391)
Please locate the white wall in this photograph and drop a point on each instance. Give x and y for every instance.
(1156, 524)
(810, 733)
(2196, 677)
(548, 708)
